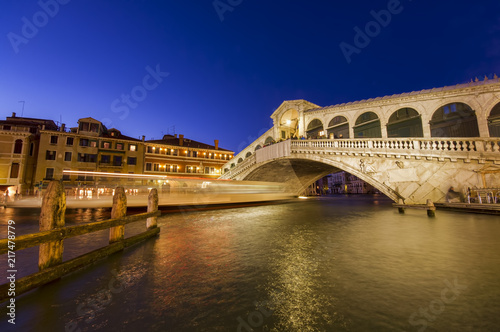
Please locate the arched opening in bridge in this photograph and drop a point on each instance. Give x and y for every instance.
(454, 120)
(258, 147)
(405, 122)
(367, 126)
(315, 129)
(494, 121)
(299, 173)
(288, 125)
(248, 154)
(339, 127)
(269, 141)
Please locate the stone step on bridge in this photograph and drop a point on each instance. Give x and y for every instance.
(408, 170)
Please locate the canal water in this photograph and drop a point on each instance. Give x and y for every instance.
(321, 264)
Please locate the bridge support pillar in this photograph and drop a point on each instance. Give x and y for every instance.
(431, 209)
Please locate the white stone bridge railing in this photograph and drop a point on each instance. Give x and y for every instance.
(438, 148)
(441, 148)
(239, 168)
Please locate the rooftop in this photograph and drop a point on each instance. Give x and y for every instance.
(415, 93)
(186, 142)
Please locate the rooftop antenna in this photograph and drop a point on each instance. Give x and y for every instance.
(22, 111)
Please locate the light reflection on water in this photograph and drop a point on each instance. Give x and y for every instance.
(328, 264)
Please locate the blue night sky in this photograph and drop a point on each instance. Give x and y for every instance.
(226, 77)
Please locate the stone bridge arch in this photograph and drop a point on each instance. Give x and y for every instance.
(299, 173)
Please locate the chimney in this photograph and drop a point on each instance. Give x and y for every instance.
(216, 142)
(175, 135)
(13, 114)
(63, 127)
(143, 138)
(181, 139)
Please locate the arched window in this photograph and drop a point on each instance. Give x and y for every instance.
(288, 124)
(248, 154)
(269, 140)
(494, 121)
(367, 126)
(314, 128)
(339, 127)
(454, 120)
(405, 122)
(258, 147)
(233, 165)
(18, 146)
(240, 160)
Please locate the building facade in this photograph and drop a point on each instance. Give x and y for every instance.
(19, 138)
(36, 151)
(180, 156)
(90, 147)
(345, 183)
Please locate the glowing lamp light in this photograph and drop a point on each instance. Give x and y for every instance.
(171, 150)
(288, 122)
(154, 147)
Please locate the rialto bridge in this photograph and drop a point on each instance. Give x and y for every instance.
(411, 146)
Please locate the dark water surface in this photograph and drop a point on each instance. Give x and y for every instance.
(322, 264)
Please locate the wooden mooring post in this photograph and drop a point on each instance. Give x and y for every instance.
(118, 210)
(53, 232)
(51, 218)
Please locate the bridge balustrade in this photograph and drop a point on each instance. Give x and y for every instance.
(480, 149)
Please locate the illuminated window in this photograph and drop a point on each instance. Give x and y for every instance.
(132, 147)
